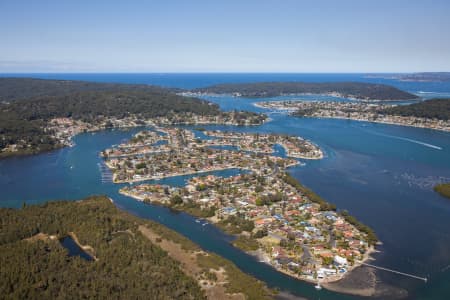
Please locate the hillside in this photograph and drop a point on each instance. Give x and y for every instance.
(434, 108)
(132, 258)
(24, 121)
(12, 89)
(359, 90)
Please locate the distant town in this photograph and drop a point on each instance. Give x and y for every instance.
(275, 218)
(359, 111)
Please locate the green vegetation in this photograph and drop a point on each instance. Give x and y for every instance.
(128, 265)
(237, 280)
(235, 225)
(246, 243)
(28, 105)
(13, 89)
(24, 121)
(443, 189)
(360, 90)
(192, 208)
(324, 205)
(434, 108)
(371, 236)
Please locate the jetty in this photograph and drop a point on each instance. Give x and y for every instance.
(394, 271)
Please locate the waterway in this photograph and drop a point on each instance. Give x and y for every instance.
(382, 174)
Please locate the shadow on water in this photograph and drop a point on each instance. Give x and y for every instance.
(74, 250)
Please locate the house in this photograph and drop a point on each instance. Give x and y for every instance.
(340, 261)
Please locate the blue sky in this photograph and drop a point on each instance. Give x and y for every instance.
(224, 36)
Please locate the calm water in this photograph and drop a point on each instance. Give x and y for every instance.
(382, 174)
(74, 250)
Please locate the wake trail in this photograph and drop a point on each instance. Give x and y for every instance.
(406, 139)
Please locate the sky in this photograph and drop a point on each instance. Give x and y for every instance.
(320, 36)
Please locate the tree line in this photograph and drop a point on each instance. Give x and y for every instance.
(360, 90)
(432, 109)
(128, 265)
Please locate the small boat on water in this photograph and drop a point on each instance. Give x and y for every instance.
(197, 221)
(206, 223)
(318, 286)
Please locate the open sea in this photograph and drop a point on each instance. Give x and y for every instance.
(382, 174)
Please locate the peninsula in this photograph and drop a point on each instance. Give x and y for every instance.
(355, 90)
(432, 114)
(274, 217)
(134, 258)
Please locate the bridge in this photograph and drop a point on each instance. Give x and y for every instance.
(396, 272)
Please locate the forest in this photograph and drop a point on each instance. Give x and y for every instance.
(14, 88)
(359, 90)
(127, 264)
(433, 109)
(24, 119)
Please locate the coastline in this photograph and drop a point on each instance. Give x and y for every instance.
(331, 283)
(379, 122)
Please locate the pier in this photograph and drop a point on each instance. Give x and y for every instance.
(106, 174)
(396, 272)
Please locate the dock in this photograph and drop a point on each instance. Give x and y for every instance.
(396, 272)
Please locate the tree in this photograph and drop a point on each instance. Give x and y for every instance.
(176, 200)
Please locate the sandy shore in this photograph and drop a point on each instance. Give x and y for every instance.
(359, 280)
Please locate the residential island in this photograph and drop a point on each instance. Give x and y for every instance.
(432, 114)
(355, 90)
(144, 158)
(283, 223)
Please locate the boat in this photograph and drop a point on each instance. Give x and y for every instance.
(197, 221)
(318, 286)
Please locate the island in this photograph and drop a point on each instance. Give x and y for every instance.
(273, 216)
(443, 189)
(432, 114)
(353, 90)
(124, 257)
(146, 158)
(41, 115)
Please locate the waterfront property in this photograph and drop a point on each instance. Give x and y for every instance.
(359, 111)
(145, 159)
(295, 231)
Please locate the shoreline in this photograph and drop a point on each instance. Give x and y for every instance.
(176, 175)
(331, 94)
(332, 284)
(376, 122)
(291, 112)
(263, 257)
